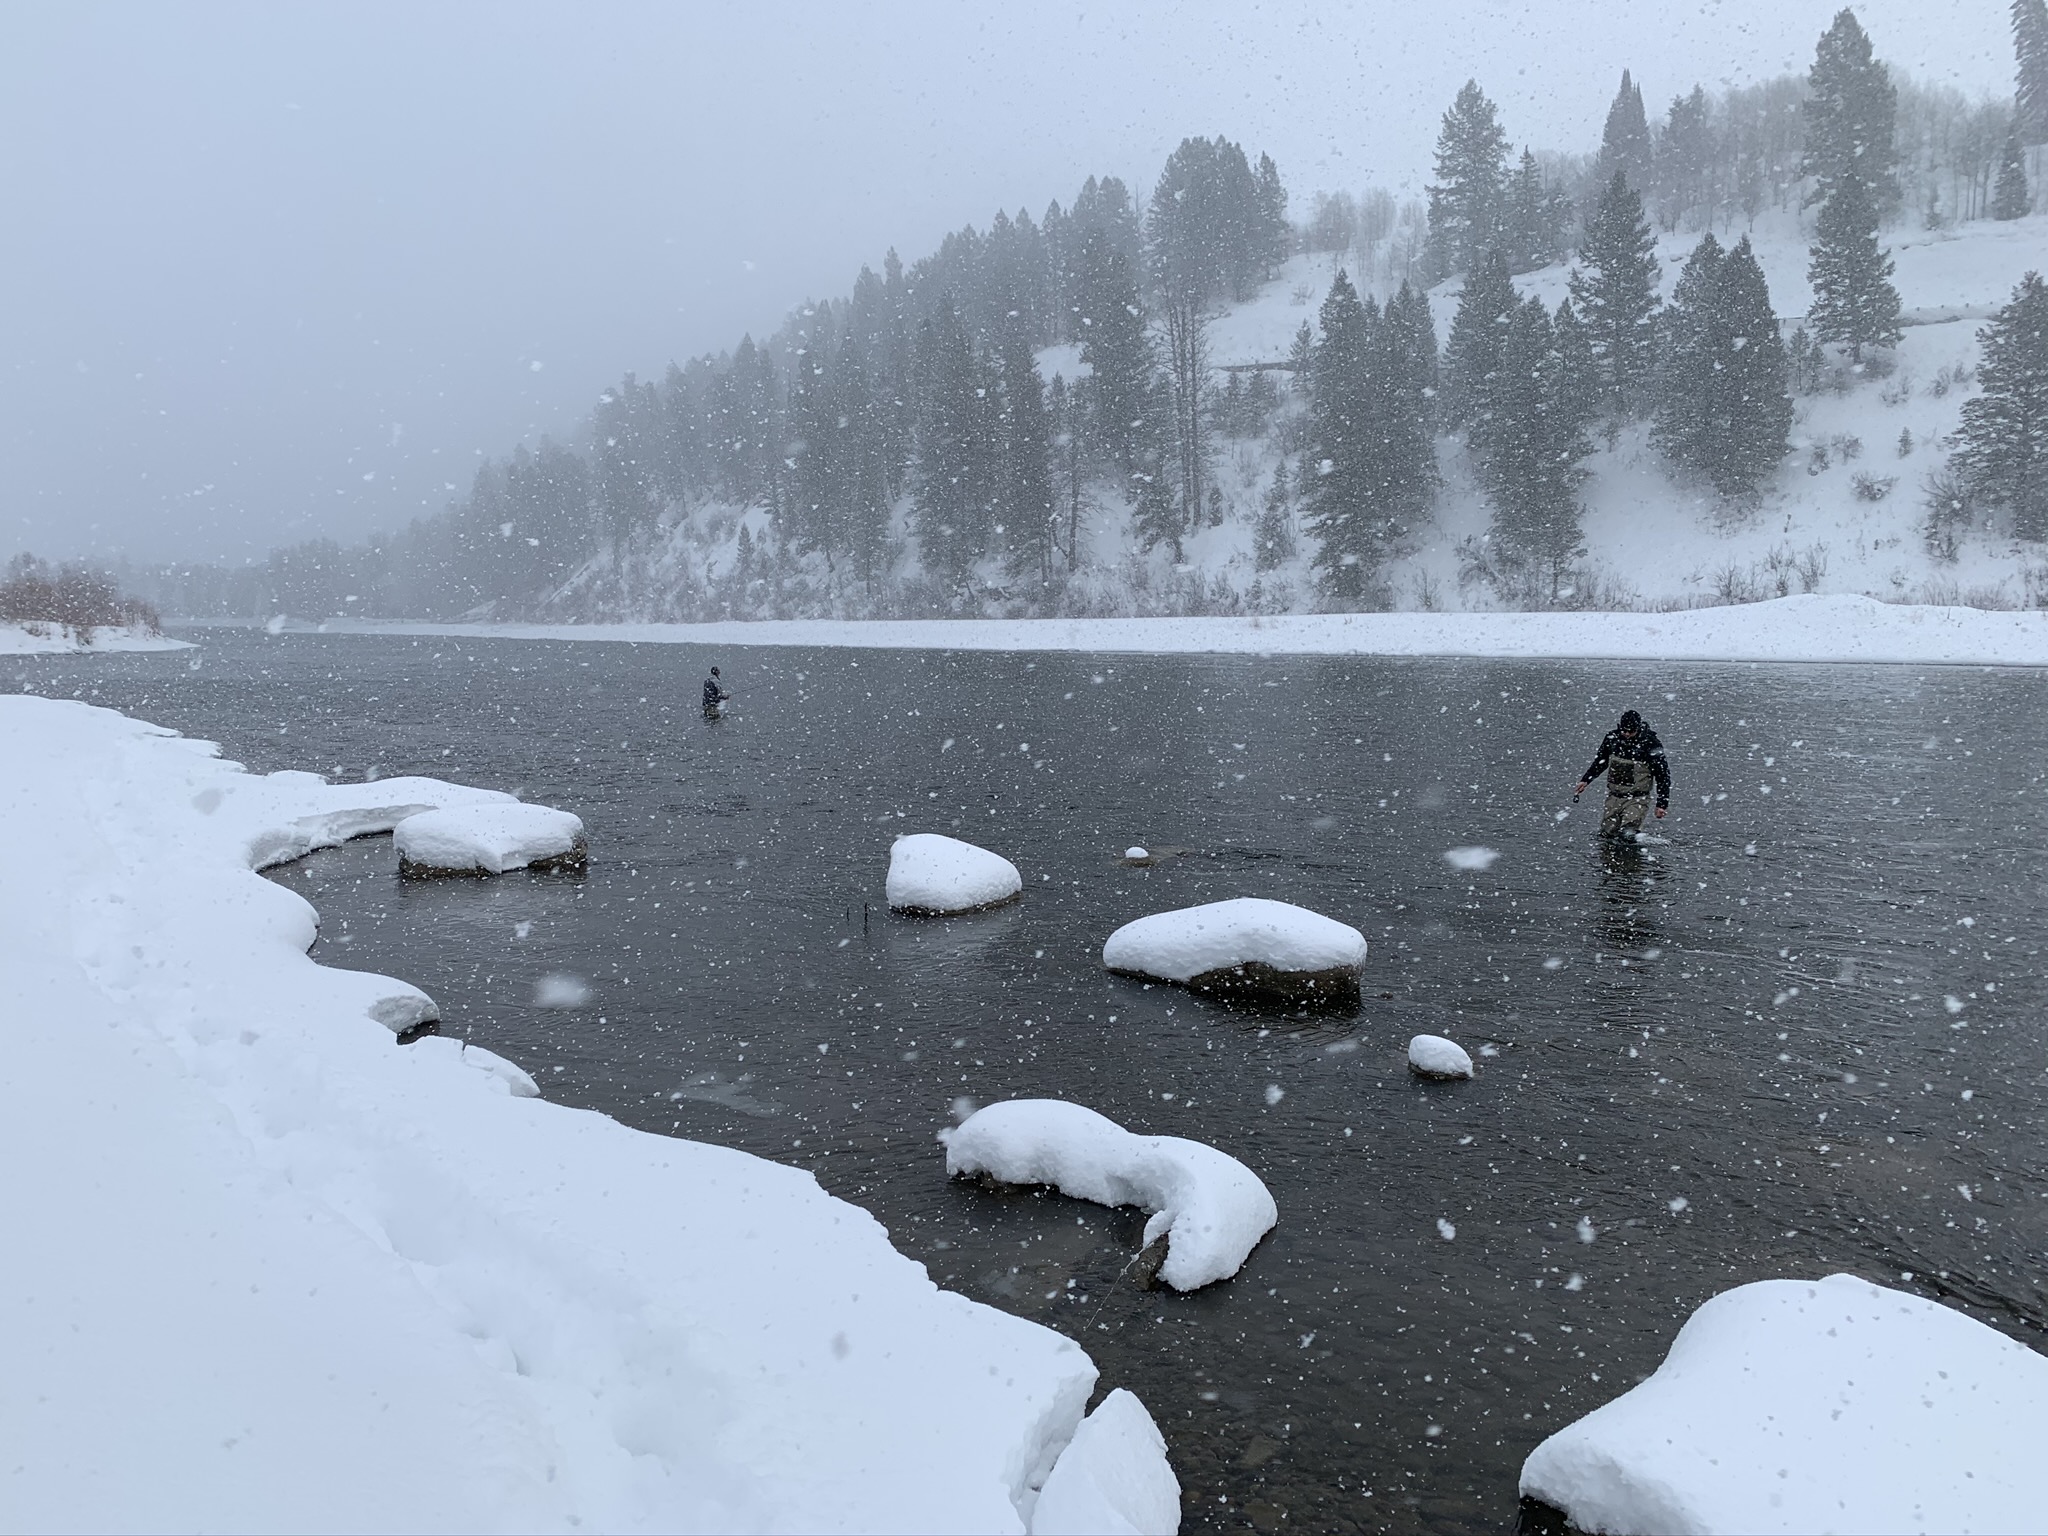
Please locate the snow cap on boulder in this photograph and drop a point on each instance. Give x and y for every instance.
(1822, 1405)
(1249, 945)
(489, 839)
(1211, 1209)
(934, 874)
(1434, 1056)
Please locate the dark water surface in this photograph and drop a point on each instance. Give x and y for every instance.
(1805, 1036)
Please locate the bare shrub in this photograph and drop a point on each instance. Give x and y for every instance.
(1869, 487)
(1946, 511)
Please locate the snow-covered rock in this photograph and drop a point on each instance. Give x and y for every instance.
(1136, 854)
(1829, 1405)
(1112, 1479)
(934, 874)
(1434, 1056)
(489, 840)
(1211, 1209)
(313, 1252)
(1249, 945)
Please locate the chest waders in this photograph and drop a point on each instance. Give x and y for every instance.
(1630, 784)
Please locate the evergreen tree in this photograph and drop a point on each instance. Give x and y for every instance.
(1402, 363)
(2003, 457)
(1578, 379)
(1686, 358)
(1337, 479)
(2030, 94)
(1467, 201)
(1686, 154)
(1854, 302)
(2011, 200)
(1614, 289)
(1532, 469)
(860, 445)
(1534, 231)
(1472, 355)
(952, 506)
(1118, 351)
(1301, 355)
(1028, 510)
(1625, 142)
(1273, 538)
(1851, 113)
(1752, 397)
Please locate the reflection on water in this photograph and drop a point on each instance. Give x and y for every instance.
(1803, 1035)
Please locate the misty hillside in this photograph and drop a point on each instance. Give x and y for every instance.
(1722, 356)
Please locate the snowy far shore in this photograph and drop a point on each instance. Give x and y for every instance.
(62, 640)
(271, 1270)
(1793, 629)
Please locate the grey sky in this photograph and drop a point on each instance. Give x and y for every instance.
(277, 271)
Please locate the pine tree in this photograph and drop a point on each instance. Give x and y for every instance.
(1337, 489)
(861, 454)
(1686, 153)
(1116, 347)
(1301, 354)
(2003, 454)
(1614, 289)
(1749, 400)
(1063, 417)
(1578, 392)
(1533, 235)
(1472, 355)
(1851, 112)
(1402, 365)
(1686, 357)
(1625, 142)
(952, 506)
(1724, 406)
(1027, 508)
(2030, 45)
(1533, 466)
(1467, 201)
(1854, 302)
(1273, 538)
(2011, 200)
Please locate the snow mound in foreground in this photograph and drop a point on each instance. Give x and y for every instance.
(314, 1252)
(932, 873)
(1211, 1208)
(1830, 1405)
(1249, 944)
(489, 840)
(1113, 1479)
(1434, 1056)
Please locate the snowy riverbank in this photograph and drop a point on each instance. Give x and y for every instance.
(61, 639)
(1797, 629)
(275, 1271)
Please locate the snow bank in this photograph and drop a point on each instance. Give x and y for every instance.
(1113, 1479)
(1831, 1405)
(488, 840)
(1247, 945)
(1434, 1056)
(63, 640)
(931, 873)
(274, 1270)
(1211, 1208)
(1805, 628)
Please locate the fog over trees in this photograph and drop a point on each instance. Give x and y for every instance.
(959, 432)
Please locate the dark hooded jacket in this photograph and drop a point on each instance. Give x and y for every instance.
(1627, 761)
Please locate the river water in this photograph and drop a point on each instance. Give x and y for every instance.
(1804, 1035)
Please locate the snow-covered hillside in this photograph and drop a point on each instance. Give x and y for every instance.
(1655, 541)
(1843, 514)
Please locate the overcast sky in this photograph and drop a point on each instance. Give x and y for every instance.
(278, 271)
